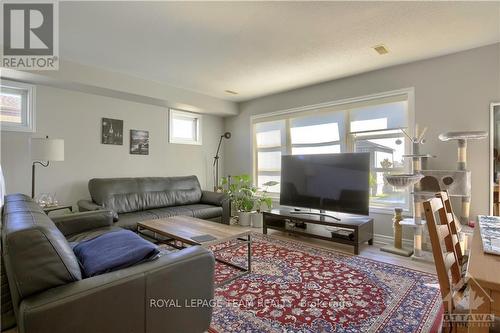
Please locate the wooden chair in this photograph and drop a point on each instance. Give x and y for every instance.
(445, 258)
(454, 291)
(454, 227)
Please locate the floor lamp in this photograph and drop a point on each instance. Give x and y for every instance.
(44, 150)
(226, 135)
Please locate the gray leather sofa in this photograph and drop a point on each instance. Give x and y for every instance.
(49, 294)
(138, 199)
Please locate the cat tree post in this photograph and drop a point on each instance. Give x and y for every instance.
(398, 229)
(462, 165)
(419, 162)
(400, 181)
(416, 222)
(462, 138)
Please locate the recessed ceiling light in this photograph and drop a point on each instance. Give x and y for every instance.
(231, 92)
(381, 49)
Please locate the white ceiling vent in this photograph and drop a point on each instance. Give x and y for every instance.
(381, 49)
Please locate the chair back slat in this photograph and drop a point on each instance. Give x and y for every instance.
(448, 251)
(449, 260)
(446, 260)
(452, 224)
(456, 243)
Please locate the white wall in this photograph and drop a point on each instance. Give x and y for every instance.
(452, 93)
(76, 118)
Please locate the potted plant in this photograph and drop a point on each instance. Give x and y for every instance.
(262, 199)
(242, 193)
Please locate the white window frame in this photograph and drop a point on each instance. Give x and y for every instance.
(187, 115)
(348, 138)
(405, 169)
(28, 104)
(283, 149)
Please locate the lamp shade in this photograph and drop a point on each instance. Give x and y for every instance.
(45, 149)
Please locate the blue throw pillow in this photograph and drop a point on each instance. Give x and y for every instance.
(113, 251)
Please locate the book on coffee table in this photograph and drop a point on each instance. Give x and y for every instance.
(203, 238)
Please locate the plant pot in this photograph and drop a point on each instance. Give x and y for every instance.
(244, 218)
(257, 220)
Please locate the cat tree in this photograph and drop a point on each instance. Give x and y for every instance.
(409, 181)
(426, 183)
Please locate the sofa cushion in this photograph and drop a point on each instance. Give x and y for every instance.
(204, 211)
(129, 220)
(113, 251)
(36, 253)
(171, 211)
(125, 195)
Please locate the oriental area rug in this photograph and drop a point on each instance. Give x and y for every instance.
(295, 287)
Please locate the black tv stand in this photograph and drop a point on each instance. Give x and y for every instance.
(305, 224)
(321, 213)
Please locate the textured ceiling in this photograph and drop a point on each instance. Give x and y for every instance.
(260, 48)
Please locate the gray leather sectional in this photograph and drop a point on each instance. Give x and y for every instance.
(138, 199)
(49, 294)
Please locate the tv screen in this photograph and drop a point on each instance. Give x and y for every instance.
(333, 182)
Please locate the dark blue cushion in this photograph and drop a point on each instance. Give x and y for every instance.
(113, 251)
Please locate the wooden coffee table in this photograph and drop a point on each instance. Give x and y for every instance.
(192, 231)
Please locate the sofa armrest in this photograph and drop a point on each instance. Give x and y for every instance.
(149, 297)
(78, 222)
(213, 198)
(226, 212)
(89, 205)
(218, 199)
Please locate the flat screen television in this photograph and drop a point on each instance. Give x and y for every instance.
(329, 182)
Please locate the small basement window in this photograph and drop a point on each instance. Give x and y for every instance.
(17, 110)
(185, 127)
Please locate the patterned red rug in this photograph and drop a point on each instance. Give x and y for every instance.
(294, 287)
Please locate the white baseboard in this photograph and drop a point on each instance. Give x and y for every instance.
(385, 240)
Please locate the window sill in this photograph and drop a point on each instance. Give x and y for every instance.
(388, 211)
(17, 128)
(181, 142)
(372, 210)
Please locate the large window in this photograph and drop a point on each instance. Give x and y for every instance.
(16, 106)
(371, 125)
(185, 127)
(270, 142)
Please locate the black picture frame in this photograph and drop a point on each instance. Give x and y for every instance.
(139, 142)
(112, 131)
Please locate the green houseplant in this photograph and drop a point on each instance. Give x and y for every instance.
(263, 202)
(242, 193)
